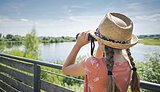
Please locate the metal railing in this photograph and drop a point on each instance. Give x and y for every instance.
(37, 70)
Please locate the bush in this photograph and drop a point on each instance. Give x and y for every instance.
(150, 70)
(2, 47)
(31, 44)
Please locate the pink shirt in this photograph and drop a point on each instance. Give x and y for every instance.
(96, 79)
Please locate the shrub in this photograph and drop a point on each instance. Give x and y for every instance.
(150, 70)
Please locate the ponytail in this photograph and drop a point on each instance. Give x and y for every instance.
(135, 81)
(109, 52)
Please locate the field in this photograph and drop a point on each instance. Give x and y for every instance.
(150, 41)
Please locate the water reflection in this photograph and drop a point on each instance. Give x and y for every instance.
(11, 44)
(2, 46)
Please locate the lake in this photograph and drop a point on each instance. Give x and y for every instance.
(59, 51)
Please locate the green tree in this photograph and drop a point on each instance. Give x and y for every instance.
(31, 44)
(3, 36)
(17, 38)
(0, 35)
(9, 36)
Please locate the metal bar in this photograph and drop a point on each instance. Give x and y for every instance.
(150, 86)
(37, 81)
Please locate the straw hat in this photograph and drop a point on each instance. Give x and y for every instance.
(115, 31)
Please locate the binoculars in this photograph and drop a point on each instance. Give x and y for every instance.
(89, 37)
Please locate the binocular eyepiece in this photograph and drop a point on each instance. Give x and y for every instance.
(89, 37)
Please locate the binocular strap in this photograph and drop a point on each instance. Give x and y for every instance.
(92, 46)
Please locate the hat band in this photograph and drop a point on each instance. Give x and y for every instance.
(97, 33)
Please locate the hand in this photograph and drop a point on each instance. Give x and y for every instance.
(82, 39)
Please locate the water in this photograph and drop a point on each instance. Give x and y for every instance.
(59, 51)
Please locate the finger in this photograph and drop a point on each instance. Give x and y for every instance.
(81, 34)
(86, 36)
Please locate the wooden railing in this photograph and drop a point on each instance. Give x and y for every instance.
(22, 74)
(12, 79)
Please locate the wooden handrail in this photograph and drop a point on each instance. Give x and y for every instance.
(143, 84)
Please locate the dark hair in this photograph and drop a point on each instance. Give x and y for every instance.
(135, 82)
(109, 52)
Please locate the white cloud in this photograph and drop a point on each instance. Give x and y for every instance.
(135, 5)
(153, 17)
(85, 18)
(77, 19)
(70, 26)
(7, 20)
(24, 20)
(78, 6)
(15, 26)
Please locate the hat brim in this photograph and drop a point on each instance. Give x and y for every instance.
(134, 40)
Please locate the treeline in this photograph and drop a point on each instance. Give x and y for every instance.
(57, 39)
(154, 36)
(42, 39)
(10, 37)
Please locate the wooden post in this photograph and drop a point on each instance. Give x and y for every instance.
(37, 80)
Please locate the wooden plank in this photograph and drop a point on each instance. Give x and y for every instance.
(6, 88)
(17, 64)
(18, 75)
(56, 66)
(16, 84)
(37, 79)
(49, 87)
(150, 86)
(2, 90)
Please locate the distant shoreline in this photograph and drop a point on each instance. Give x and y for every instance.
(143, 41)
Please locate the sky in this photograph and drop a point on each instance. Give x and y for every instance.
(69, 17)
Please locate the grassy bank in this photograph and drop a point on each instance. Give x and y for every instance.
(150, 41)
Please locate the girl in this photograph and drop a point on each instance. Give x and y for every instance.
(112, 68)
